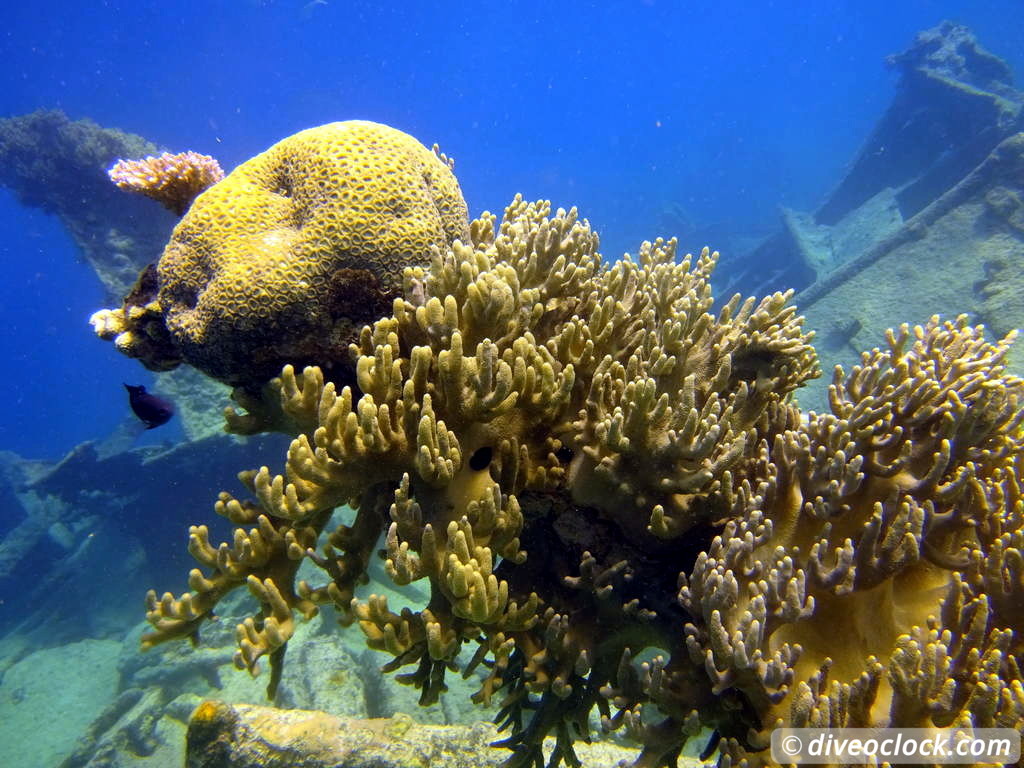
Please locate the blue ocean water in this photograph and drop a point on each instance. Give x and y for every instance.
(730, 109)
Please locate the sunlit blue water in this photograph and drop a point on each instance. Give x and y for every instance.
(729, 110)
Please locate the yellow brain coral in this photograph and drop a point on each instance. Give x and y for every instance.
(297, 248)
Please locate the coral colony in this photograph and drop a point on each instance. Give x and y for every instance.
(601, 476)
(172, 180)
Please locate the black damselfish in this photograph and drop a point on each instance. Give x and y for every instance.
(151, 410)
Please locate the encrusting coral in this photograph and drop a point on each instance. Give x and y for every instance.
(288, 256)
(137, 327)
(173, 180)
(616, 505)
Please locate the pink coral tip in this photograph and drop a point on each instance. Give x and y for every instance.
(174, 180)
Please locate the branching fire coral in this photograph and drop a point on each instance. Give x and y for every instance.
(589, 466)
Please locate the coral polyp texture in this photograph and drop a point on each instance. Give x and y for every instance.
(286, 258)
(618, 510)
(173, 180)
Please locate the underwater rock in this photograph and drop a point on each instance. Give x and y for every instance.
(132, 730)
(25, 522)
(962, 254)
(11, 477)
(176, 672)
(130, 487)
(46, 540)
(104, 515)
(225, 736)
(200, 400)
(144, 724)
(60, 166)
(954, 103)
(19, 540)
(825, 248)
(68, 684)
(63, 604)
(933, 201)
(326, 677)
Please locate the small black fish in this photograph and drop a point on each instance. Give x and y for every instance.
(151, 410)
